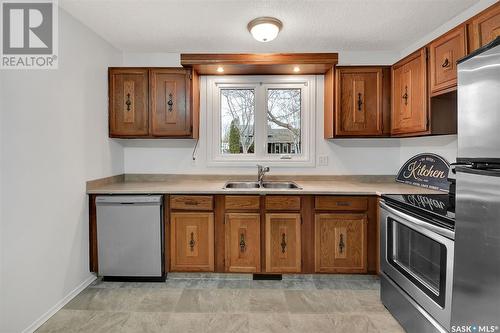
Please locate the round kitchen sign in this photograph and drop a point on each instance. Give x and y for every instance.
(425, 170)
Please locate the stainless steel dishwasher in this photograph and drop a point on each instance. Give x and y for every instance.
(130, 238)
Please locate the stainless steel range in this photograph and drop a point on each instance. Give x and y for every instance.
(417, 248)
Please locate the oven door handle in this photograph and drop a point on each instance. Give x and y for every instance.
(425, 225)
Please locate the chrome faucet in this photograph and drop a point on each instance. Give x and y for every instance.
(261, 171)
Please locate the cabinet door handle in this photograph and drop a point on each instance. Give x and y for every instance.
(170, 102)
(446, 63)
(405, 95)
(128, 102)
(191, 202)
(242, 243)
(283, 243)
(341, 243)
(192, 242)
(360, 101)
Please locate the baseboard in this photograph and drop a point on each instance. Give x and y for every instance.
(58, 306)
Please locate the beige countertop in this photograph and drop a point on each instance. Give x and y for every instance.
(210, 184)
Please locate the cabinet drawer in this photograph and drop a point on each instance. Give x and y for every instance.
(242, 202)
(340, 203)
(190, 202)
(278, 202)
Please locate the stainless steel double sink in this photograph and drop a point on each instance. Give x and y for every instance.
(264, 185)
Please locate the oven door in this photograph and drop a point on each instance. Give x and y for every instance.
(418, 257)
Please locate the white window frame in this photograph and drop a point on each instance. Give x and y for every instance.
(307, 84)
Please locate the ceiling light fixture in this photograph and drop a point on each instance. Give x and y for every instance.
(265, 29)
(220, 69)
(296, 69)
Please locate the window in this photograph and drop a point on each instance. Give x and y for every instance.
(260, 119)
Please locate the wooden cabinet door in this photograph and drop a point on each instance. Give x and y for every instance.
(485, 27)
(444, 53)
(409, 94)
(283, 246)
(170, 102)
(359, 102)
(128, 102)
(340, 243)
(192, 242)
(242, 242)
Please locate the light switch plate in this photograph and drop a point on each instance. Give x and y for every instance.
(323, 160)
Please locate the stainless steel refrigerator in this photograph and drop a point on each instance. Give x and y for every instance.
(476, 279)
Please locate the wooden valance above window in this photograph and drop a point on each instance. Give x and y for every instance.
(260, 64)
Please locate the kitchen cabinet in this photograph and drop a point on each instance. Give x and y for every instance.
(128, 102)
(484, 27)
(362, 103)
(170, 102)
(192, 241)
(283, 243)
(444, 53)
(340, 243)
(153, 103)
(409, 112)
(242, 242)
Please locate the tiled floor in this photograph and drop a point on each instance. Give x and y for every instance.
(214, 303)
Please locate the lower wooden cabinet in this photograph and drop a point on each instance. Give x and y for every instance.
(340, 243)
(283, 243)
(192, 241)
(242, 242)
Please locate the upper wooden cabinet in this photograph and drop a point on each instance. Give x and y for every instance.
(444, 53)
(152, 103)
(170, 106)
(128, 102)
(484, 27)
(362, 103)
(409, 95)
(242, 242)
(283, 243)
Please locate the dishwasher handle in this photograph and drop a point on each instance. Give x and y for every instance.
(150, 200)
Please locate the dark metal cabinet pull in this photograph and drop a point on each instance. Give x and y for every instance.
(170, 102)
(191, 203)
(446, 63)
(128, 102)
(341, 243)
(283, 243)
(242, 243)
(192, 242)
(360, 101)
(405, 96)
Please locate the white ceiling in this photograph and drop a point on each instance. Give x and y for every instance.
(220, 25)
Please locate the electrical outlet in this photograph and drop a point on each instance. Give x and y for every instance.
(323, 160)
